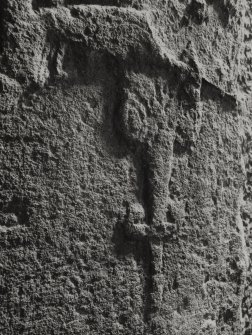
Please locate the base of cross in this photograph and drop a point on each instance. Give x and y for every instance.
(136, 229)
(156, 324)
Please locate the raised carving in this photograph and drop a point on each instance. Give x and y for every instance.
(151, 134)
(149, 131)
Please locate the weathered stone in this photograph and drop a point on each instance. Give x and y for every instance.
(125, 141)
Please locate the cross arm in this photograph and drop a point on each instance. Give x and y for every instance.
(126, 34)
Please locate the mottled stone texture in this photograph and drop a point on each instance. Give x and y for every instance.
(126, 167)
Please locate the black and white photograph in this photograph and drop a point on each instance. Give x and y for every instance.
(125, 167)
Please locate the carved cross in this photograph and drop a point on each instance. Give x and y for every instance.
(96, 29)
(151, 137)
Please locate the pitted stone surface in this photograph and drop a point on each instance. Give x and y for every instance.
(125, 186)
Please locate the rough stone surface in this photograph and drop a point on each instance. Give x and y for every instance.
(126, 167)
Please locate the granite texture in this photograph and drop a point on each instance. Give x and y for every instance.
(126, 167)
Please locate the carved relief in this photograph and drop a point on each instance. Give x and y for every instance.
(146, 119)
(148, 123)
(153, 90)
